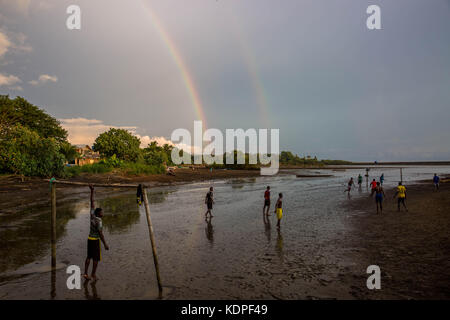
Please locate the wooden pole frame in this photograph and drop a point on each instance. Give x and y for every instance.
(129, 186)
(53, 222)
(152, 239)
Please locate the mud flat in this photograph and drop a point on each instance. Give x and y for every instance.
(411, 248)
(17, 195)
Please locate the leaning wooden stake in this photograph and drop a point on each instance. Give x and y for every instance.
(53, 223)
(152, 239)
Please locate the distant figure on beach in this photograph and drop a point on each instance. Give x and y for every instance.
(349, 186)
(279, 209)
(401, 196)
(379, 195)
(436, 182)
(382, 179)
(360, 179)
(209, 200)
(266, 201)
(95, 235)
(373, 185)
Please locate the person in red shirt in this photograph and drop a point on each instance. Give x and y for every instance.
(266, 201)
(373, 186)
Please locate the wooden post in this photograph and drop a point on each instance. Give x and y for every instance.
(53, 223)
(401, 175)
(152, 239)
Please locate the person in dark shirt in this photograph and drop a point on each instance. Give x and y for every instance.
(266, 201)
(209, 201)
(95, 235)
(436, 182)
(379, 195)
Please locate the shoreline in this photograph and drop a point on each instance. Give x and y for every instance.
(16, 196)
(411, 248)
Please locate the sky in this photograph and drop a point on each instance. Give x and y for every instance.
(312, 69)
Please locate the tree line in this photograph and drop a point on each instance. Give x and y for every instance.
(33, 143)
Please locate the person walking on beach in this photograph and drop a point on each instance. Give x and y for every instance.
(373, 185)
(266, 201)
(279, 209)
(349, 186)
(379, 195)
(436, 182)
(95, 235)
(401, 196)
(360, 179)
(209, 200)
(382, 179)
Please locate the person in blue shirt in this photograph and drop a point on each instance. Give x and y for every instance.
(436, 182)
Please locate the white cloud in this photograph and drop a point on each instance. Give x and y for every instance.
(19, 42)
(146, 140)
(10, 80)
(85, 131)
(16, 88)
(43, 79)
(16, 6)
(5, 43)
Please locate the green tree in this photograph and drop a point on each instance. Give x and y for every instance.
(19, 111)
(118, 142)
(23, 151)
(156, 155)
(68, 151)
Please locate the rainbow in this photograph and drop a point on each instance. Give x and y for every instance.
(176, 56)
(252, 69)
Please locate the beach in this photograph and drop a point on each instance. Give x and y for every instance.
(322, 251)
(411, 248)
(17, 195)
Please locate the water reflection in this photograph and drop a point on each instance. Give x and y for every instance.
(120, 213)
(26, 236)
(209, 230)
(240, 183)
(279, 246)
(53, 284)
(267, 228)
(87, 294)
(158, 197)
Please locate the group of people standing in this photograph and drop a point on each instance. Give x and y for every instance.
(209, 201)
(278, 205)
(377, 189)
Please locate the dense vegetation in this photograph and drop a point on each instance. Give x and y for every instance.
(32, 143)
(289, 159)
(30, 139)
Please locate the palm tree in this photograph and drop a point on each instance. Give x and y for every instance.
(69, 151)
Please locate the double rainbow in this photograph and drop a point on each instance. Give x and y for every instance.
(187, 78)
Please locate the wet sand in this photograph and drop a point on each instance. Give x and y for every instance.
(17, 195)
(322, 251)
(411, 248)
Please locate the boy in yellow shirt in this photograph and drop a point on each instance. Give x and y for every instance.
(401, 196)
(279, 209)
